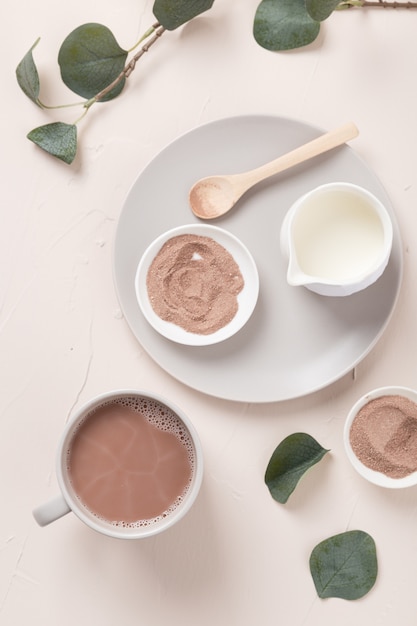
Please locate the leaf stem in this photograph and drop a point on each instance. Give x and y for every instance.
(61, 106)
(129, 67)
(84, 113)
(383, 4)
(147, 34)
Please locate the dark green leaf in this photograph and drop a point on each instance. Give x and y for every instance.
(174, 13)
(284, 25)
(344, 566)
(28, 77)
(290, 460)
(90, 59)
(321, 9)
(58, 139)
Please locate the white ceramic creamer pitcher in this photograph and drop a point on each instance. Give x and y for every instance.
(337, 239)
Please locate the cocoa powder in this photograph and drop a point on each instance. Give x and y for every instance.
(383, 435)
(194, 282)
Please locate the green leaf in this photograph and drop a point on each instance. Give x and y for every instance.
(174, 13)
(289, 462)
(344, 566)
(284, 25)
(58, 139)
(28, 77)
(90, 59)
(321, 9)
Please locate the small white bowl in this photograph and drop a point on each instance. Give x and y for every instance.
(337, 239)
(377, 478)
(247, 298)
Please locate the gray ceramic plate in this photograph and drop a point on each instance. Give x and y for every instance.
(296, 342)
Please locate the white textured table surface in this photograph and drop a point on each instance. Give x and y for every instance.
(238, 558)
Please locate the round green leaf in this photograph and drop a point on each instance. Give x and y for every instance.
(58, 139)
(90, 59)
(28, 77)
(344, 566)
(289, 462)
(173, 13)
(284, 25)
(321, 9)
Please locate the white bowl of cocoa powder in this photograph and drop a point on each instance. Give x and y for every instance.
(197, 284)
(380, 437)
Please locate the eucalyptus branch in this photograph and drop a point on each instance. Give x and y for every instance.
(102, 59)
(95, 67)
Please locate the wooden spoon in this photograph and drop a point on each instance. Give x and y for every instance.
(215, 195)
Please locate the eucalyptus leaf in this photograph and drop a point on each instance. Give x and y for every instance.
(90, 59)
(58, 139)
(321, 9)
(284, 25)
(289, 462)
(344, 566)
(28, 77)
(174, 13)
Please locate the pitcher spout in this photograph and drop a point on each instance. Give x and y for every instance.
(296, 277)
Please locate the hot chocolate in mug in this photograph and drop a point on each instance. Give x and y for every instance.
(129, 465)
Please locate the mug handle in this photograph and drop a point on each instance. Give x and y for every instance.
(51, 510)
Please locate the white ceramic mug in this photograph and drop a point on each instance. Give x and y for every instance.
(68, 500)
